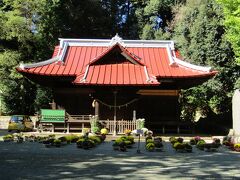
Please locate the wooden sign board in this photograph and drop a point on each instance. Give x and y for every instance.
(139, 131)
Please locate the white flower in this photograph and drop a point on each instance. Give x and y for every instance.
(144, 130)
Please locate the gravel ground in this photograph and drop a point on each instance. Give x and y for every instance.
(34, 161)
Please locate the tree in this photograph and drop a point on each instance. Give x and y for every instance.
(154, 17)
(231, 22)
(200, 36)
(17, 44)
(30, 29)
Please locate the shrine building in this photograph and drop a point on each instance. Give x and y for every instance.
(117, 79)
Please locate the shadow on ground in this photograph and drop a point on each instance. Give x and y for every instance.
(34, 161)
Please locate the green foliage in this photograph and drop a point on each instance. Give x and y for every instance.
(148, 137)
(147, 13)
(150, 141)
(118, 141)
(231, 22)
(18, 97)
(95, 129)
(188, 146)
(8, 137)
(30, 29)
(198, 28)
(150, 146)
(200, 144)
(140, 123)
(79, 141)
(127, 142)
(182, 147)
(18, 43)
(237, 84)
(124, 141)
(43, 97)
(237, 145)
(124, 138)
(71, 138)
(178, 145)
(57, 141)
(172, 140)
(52, 136)
(148, 32)
(162, 35)
(94, 124)
(96, 139)
(88, 142)
(200, 37)
(85, 143)
(62, 139)
(131, 139)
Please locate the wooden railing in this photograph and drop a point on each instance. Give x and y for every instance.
(178, 127)
(121, 125)
(78, 118)
(78, 122)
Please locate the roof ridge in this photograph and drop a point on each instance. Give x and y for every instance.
(110, 42)
(42, 63)
(192, 66)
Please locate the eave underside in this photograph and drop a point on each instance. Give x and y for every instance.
(66, 81)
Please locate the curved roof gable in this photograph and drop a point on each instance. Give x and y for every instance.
(116, 62)
(116, 54)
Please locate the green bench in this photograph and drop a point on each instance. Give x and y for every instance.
(50, 117)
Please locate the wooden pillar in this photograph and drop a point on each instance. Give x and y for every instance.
(96, 108)
(53, 104)
(115, 114)
(68, 128)
(134, 115)
(53, 128)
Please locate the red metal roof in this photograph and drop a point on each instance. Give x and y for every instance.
(99, 64)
